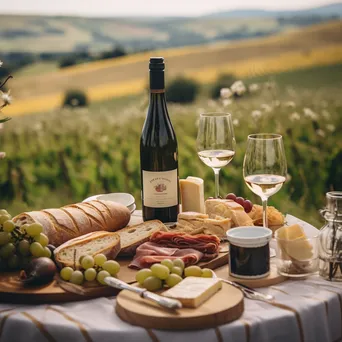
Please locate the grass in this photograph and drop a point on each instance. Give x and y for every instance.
(37, 68)
(64, 156)
(321, 45)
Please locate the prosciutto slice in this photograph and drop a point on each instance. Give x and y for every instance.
(207, 244)
(150, 253)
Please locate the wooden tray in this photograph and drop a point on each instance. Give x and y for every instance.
(225, 306)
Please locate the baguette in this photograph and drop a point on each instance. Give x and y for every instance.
(69, 253)
(71, 221)
(132, 237)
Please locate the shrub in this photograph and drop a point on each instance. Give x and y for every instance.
(75, 98)
(223, 81)
(182, 90)
(116, 52)
(67, 61)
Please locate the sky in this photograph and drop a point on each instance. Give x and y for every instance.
(110, 8)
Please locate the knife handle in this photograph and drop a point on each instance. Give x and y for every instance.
(168, 303)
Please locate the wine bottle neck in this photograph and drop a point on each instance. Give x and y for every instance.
(157, 81)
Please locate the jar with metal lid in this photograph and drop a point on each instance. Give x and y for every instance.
(330, 238)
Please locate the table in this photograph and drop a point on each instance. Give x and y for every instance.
(304, 310)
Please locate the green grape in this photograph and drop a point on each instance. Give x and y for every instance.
(8, 226)
(100, 259)
(24, 247)
(42, 239)
(13, 262)
(177, 270)
(4, 218)
(81, 258)
(87, 262)
(76, 277)
(179, 263)
(37, 250)
(152, 283)
(173, 279)
(141, 275)
(207, 273)
(192, 271)
(5, 237)
(66, 273)
(101, 277)
(90, 274)
(111, 266)
(7, 250)
(34, 229)
(47, 252)
(160, 271)
(3, 212)
(168, 263)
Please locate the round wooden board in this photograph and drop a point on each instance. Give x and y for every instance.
(272, 279)
(225, 306)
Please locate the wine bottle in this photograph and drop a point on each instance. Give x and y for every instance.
(159, 153)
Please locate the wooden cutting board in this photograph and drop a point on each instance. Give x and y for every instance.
(225, 306)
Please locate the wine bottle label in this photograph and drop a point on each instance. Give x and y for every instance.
(160, 189)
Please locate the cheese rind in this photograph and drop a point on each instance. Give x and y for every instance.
(193, 291)
(192, 194)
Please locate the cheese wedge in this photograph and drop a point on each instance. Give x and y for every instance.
(193, 291)
(228, 209)
(294, 243)
(192, 194)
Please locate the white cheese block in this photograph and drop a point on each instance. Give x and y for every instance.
(193, 291)
(192, 194)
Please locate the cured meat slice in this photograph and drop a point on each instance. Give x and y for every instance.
(150, 253)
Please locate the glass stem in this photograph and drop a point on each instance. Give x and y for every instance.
(264, 212)
(217, 182)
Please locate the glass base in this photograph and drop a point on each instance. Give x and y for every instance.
(331, 271)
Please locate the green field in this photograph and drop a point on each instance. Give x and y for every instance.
(63, 156)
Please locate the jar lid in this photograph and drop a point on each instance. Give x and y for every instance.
(249, 237)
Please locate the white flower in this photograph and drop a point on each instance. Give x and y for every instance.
(321, 133)
(74, 102)
(290, 104)
(225, 93)
(1, 63)
(266, 108)
(236, 122)
(309, 113)
(326, 114)
(211, 103)
(270, 85)
(256, 114)
(6, 98)
(253, 87)
(2, 155)
(226, 102)
(238, 88)
(294, 116)
(330, 128)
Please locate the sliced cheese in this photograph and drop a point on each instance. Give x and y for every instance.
(192, 194)
(294, 243)
(193, 291)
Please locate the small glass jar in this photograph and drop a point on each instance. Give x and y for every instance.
(330, 238)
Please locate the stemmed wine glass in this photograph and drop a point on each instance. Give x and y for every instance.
(264, 166)
(216, 142)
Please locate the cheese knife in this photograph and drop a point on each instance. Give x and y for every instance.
(167, 303)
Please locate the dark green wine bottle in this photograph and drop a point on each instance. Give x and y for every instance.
(159, 154)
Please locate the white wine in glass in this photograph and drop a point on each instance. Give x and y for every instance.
(216, 142)
(264, 166)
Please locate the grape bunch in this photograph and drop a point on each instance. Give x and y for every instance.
(19, 245)
(247, 204)
(168, 273)
(93, 268)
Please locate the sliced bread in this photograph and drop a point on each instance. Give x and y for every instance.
(134, 236)
(69, 253)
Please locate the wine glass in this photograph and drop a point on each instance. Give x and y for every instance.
(216, 142)
(264, 166)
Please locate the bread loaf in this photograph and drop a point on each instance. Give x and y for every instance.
(66, 223)
(69, 253)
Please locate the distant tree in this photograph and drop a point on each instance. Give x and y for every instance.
(182, 90)
(114, 53)
(75, 98)
(68, 61)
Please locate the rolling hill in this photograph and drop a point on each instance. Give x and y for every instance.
(317, 45)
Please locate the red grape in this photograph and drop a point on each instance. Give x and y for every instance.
(240, 200)
(248, 205)
(231, 196)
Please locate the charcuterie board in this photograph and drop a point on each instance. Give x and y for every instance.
(225, 306)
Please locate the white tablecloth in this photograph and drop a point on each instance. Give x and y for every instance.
(304, 310)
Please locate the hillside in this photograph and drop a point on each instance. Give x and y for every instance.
(46, 34)
(316, 45)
